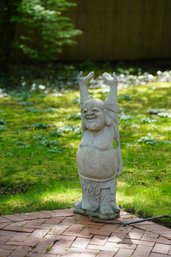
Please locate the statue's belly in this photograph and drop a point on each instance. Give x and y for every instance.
(96, 164)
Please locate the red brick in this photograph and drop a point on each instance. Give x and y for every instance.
(68, 221)
(15, 217)
(107, 247)
(31, 216)
(84, 220)
(8, 247)
(20, 237)
(87, 255)
(20, 223)
(117, 237)
(166, 234)
(160, 239)
(159, 228)
(137, 230)
(3, 219)
(13, 227)
(124, 253)
(41, 255)
(4, 253)
(38, 233)
(45, 214)
(98, 240)
(163, 240)
(135, 234)
(122, 229)
(142, 251)
(161, 248)
(76, 253)
(152, 227)
(34, 223)
(44, 246)
(7, 233)
(122, 245)
(94, 225)
(101, 232)
(58, 229)
(27, 242)
(3, 225)
(45, 226)
(3, 240)
(158, 255)
(36, 215)
(74, 229)
(63, 244)
(70, 254)
(151, 235)
(138, 242)
(81, 243)
(54, 221)
(83, 252)
(110, 227)
(20, 251)
(86, 233)
(62, 213)
(105, 254)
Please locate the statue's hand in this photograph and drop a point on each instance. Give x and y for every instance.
(112, 81)
(119, 171)
(85, 79)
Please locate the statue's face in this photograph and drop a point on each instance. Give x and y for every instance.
(93, 115)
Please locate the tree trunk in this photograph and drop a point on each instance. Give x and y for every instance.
(8, 8)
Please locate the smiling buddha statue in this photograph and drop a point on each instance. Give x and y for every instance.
(98, 161)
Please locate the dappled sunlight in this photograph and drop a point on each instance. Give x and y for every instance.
(55, 101)
(48, 199)
(67, 196)
(144, 201)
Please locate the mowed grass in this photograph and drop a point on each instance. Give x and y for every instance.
(39, 136)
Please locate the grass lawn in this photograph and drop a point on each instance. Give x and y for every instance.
(39, 136)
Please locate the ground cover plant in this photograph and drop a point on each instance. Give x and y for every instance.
(39, 136)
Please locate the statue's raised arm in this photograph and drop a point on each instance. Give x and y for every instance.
(113, 83)
(112, 109)
(83, 81)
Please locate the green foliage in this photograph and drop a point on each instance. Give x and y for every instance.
(38, 167)
(46, 27)
(147, 140)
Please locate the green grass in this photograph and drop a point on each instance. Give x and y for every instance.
(39, 137)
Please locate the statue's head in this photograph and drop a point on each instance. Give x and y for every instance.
(93, 115)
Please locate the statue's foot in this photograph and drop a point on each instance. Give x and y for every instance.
(108, 216)
(106, 212)
(116, 208)
(103, 216)
(78, 208)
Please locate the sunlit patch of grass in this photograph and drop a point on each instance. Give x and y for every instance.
(41, 135)
(53, 195)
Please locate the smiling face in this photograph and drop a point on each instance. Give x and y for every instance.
(93, 115)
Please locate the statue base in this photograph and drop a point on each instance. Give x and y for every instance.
(97, 214)
(98, 199)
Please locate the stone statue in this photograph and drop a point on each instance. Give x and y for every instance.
(98, 161)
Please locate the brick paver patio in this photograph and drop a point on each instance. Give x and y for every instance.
(63, 233)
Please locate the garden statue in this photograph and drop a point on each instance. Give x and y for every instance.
(98, 161)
